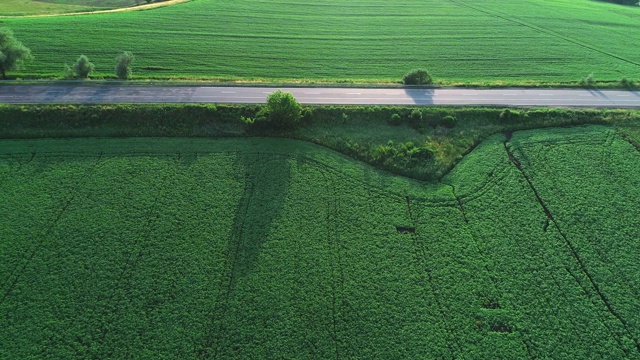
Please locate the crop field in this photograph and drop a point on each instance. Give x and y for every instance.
(483, 42)
(273, 248)
(46, 7)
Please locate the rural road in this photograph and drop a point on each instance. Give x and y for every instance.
(106, 94)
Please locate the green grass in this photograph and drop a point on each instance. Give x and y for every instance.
(422, 149)
(486, 42)
(48, 7)
(274, 248)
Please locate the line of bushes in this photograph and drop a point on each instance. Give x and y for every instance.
(436, 137)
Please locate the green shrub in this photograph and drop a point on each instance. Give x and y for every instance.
(68, 72)
(508, 115)
(123, 65)
(83, 67)
(281, 111)
(626, 83)
(417, 77)
(307, 114)
(449, 121)
(395, 120)
(12, 52)
(588, 81)
(415, 119)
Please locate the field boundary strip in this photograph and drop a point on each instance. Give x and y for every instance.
(378, 188)
(545, 31)
(109, 11)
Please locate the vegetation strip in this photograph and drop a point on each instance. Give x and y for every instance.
(569, 244)
(567, 42)
(328, 272)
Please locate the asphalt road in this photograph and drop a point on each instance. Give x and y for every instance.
(338, 96)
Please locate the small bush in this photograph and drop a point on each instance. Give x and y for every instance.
(449, 121)
(508, 115)
(83, 67)
(415, 119)
(395, 120)
(588, 81)
(403, 155)
(626, 83)
(281, 111)
(123, 65)
(417, 77)
(68, 72)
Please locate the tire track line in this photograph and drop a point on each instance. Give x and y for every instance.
(333, 238)
(525, 341)
(22, 266)
(130, 264)
(572, 249)
(545, 31)
(212, 343)
(453, 344)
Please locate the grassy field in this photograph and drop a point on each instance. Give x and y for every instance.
(44, 7)
(483, 42)
(273, 248)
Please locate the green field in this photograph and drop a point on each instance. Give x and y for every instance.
(274, 248)
(47, 7)
(484, 41)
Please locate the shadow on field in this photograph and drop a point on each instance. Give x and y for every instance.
(421, 96)
(266, 180)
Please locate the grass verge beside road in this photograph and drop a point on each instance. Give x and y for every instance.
(423, 143)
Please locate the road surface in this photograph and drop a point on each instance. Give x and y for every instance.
(107, 94)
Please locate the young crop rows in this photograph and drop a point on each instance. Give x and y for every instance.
(497, 41)
(265, 248)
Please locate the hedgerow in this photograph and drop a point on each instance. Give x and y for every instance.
(359, 131)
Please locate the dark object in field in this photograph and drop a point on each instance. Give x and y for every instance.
(501, 327)
(406, 230)
(491, 304)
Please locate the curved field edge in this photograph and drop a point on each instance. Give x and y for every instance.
(337, 162)
(457, 42)
(412, 141)
(246, 247)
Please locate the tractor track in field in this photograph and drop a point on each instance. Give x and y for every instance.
(574, 253)
(545, 31)
(607, 150)
(333, 238)
(22, 266)
(131, 262)
(214, 335)
(526, 342)
(453, 344)
(567, 269)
